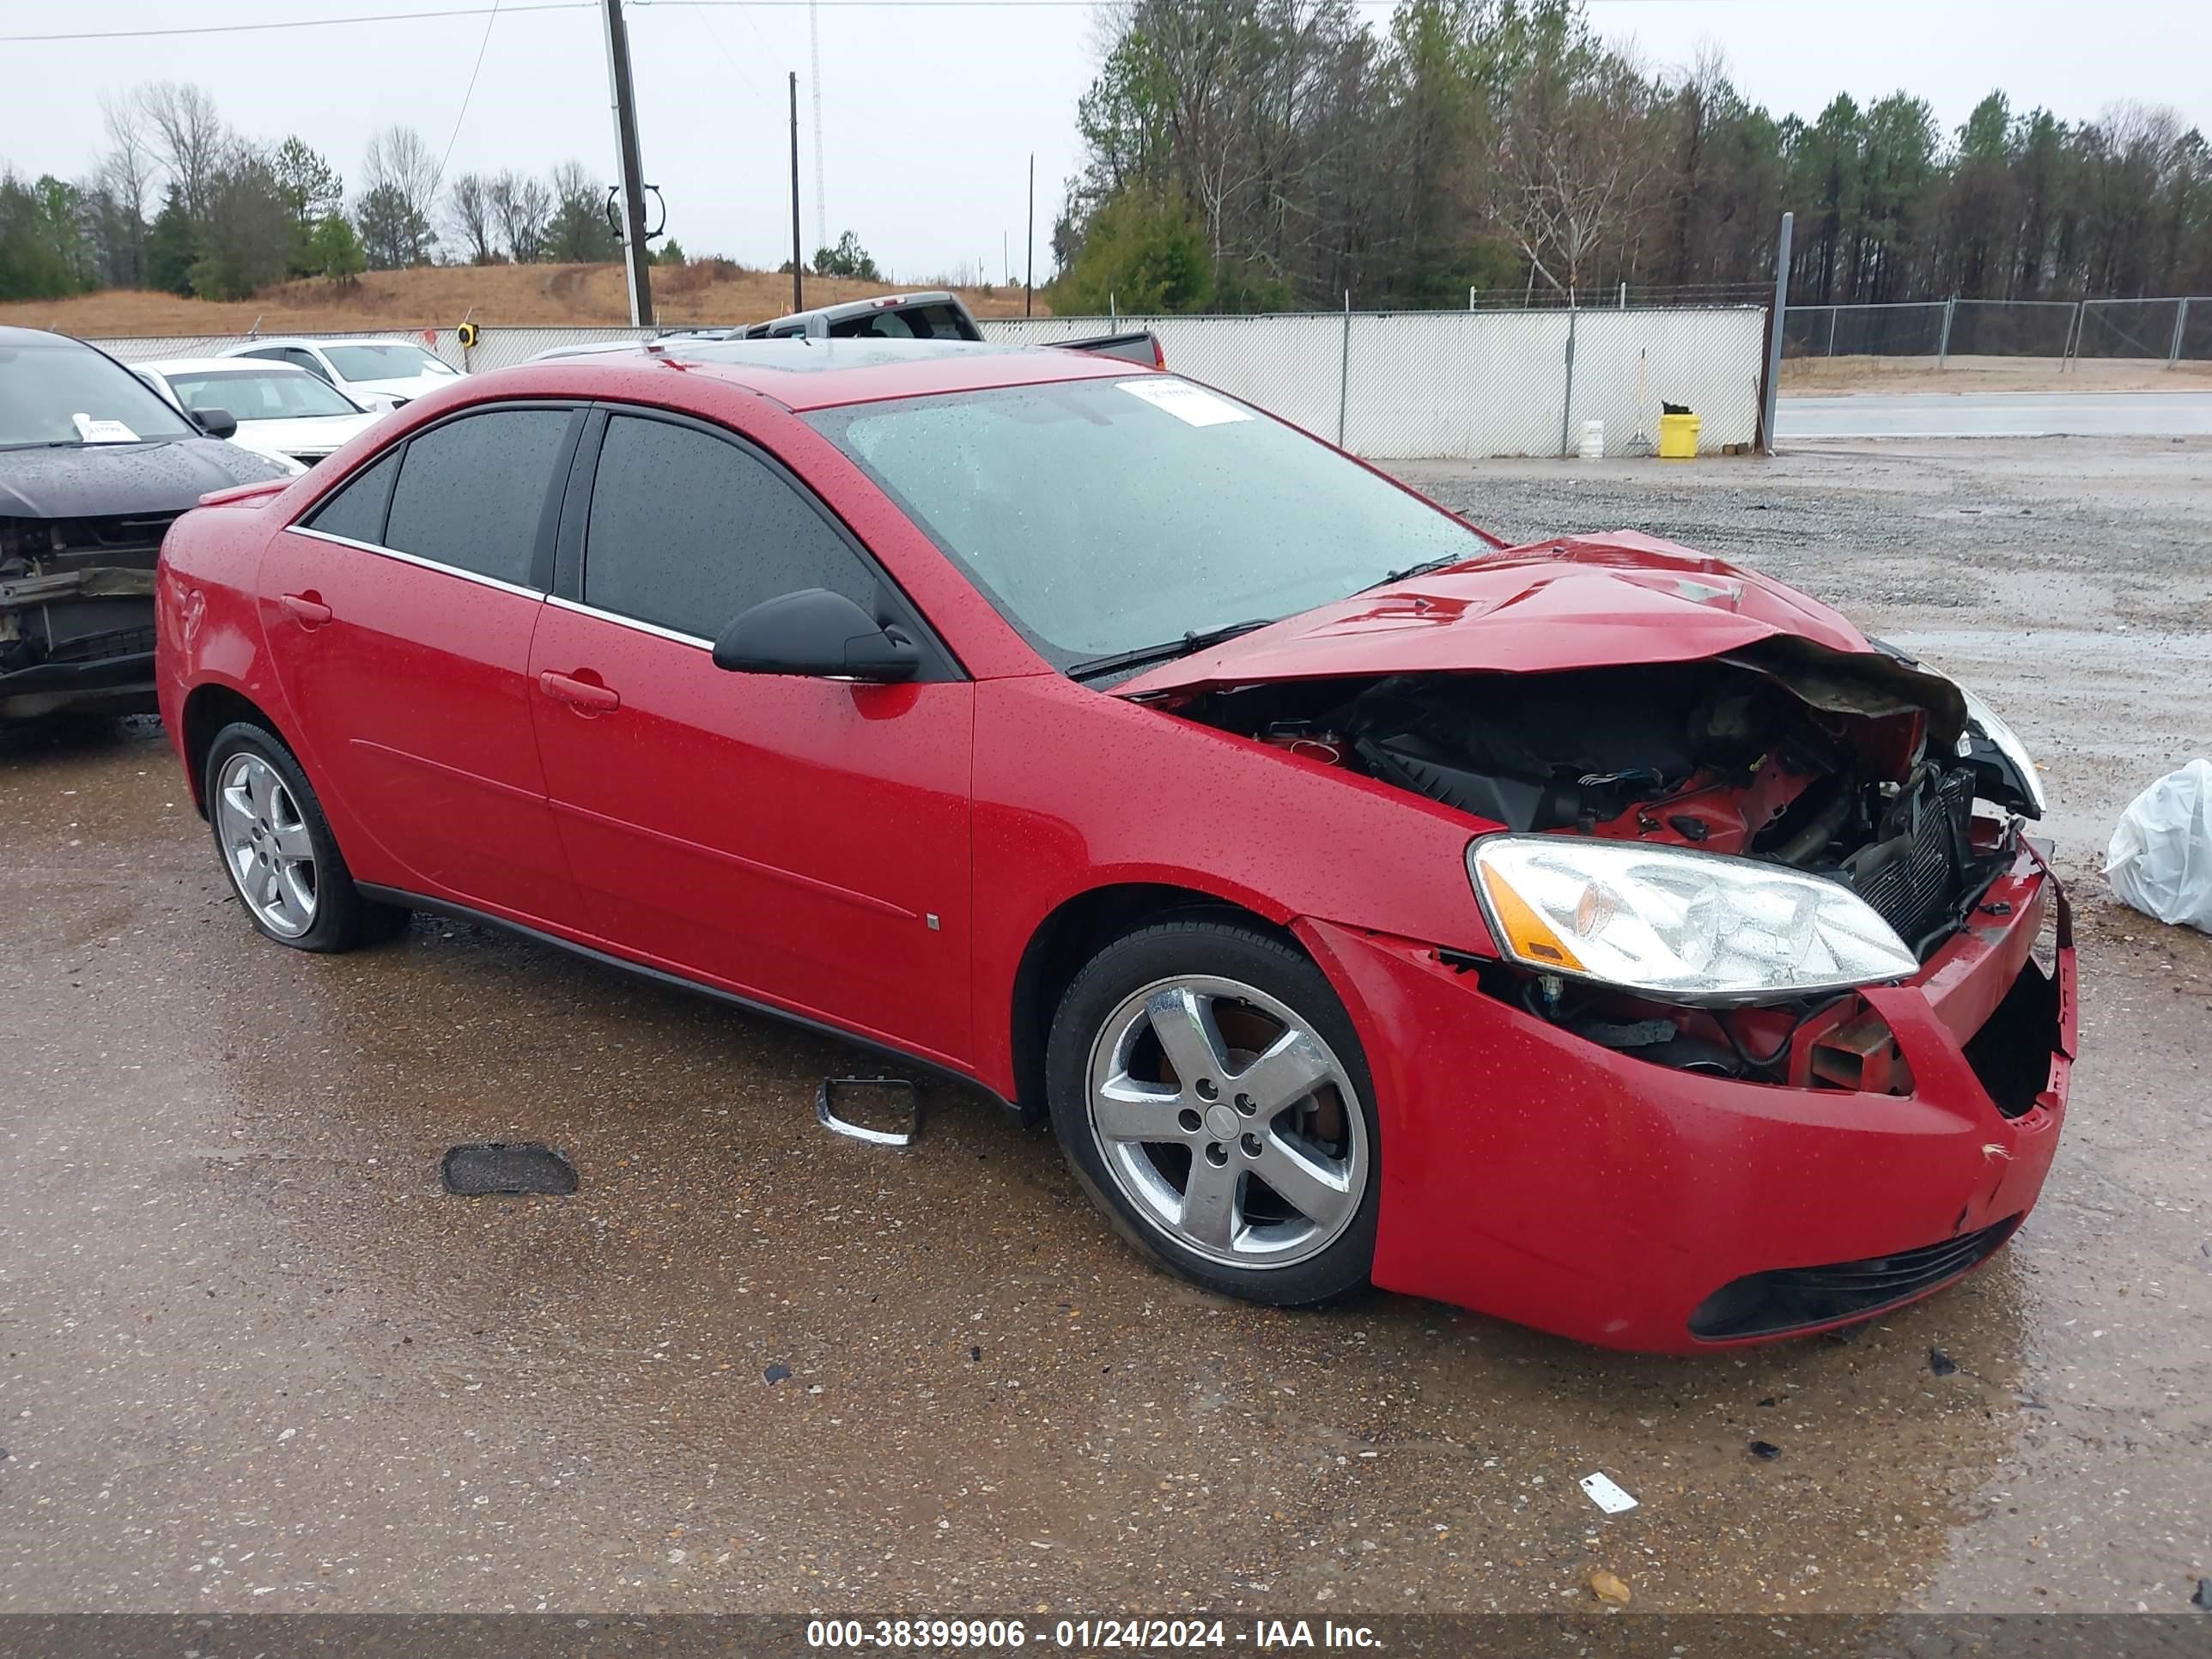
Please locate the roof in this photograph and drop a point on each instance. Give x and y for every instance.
(816, 373)
(252, 342)
(10, 334)
(217, 365)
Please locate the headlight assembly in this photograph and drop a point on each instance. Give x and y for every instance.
(1681, 926)
(2002, 738)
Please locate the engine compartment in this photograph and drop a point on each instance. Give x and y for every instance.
(1862, 769)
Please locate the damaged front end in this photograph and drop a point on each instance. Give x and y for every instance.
(1699, 863)
(76, 613)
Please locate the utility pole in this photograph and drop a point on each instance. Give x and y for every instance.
(814, 90)
(797, 263)
(1028, 282)
(637, 257)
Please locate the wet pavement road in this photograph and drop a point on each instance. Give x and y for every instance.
(251, 1358)
(1994, 415)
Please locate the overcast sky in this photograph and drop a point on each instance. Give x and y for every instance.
(930, 110)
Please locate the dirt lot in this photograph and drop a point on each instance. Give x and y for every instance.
(1833, 376)
(439, 296)
(251, 1359)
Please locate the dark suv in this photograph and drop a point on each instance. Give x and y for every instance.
(94, 467)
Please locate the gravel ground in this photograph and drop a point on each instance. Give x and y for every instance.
(252, 1359)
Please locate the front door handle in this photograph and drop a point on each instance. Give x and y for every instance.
(306, 609)
(579, 694)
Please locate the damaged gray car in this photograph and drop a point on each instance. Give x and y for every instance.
(93, 469)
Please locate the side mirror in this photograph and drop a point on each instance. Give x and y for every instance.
(818, 633)
(216, 423)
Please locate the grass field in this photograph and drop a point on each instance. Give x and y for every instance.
(706, 291)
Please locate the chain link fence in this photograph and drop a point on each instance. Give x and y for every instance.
(1393, 385)
(2170, 331)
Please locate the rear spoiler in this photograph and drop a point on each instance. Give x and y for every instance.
(238, 494)
(1141, 347)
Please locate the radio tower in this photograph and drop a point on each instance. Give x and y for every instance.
(814, 48)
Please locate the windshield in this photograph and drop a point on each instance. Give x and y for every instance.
(1104, 516)
(61, 392)
(260, 394)
(384, 360)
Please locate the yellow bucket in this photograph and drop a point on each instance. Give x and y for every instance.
(1678, 437)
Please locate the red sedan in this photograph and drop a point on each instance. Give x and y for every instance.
(1589, 932)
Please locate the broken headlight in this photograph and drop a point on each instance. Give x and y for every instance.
(1683, 925)
(2002, 737)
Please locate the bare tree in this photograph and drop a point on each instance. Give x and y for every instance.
(520, 207)
(399, 174)
(119, 186)
(187, 136)
(1569, 168)
(469, 215)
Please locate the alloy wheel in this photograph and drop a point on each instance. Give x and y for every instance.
(266, 841)
(1228, 1121)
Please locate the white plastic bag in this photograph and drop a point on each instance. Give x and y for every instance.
(2160, 857)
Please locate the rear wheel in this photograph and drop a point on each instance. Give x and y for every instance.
(277, 849)
(1208, 1090)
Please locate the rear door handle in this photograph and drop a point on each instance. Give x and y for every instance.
(306, 609)
(579, 694)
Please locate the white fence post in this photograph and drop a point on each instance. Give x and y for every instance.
(2181, 322)
(1943, 344)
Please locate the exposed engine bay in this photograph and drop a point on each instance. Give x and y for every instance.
(1862, 769)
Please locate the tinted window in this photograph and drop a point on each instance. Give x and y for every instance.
(472, 492)
(687, 532)
(356, 512)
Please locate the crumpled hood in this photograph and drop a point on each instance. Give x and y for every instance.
(98, 481)
(1583, 603)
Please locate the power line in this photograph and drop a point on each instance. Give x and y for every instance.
(585, 5)
(302, 22)
(471, 91)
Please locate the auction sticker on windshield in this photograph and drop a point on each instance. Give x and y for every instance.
(93, 431)
(1193, 405)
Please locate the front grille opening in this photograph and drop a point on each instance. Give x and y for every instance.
(2011, 1053)
(1799, 1298)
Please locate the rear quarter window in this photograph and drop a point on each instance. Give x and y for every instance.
(355, 511)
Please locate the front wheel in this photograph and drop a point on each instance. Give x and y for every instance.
(1210, 1094)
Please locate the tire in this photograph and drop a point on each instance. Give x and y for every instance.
(1289, 1183)
(271, 837)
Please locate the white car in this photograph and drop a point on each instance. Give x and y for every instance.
(367, 370)
(282, 412)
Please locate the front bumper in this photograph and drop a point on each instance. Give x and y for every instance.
(120, 684)
(1533, 1175)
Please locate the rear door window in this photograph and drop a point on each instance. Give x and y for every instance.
(687, 531)
(473, 493)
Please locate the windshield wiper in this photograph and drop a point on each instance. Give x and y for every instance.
(1420, 570)
(1166, 650)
